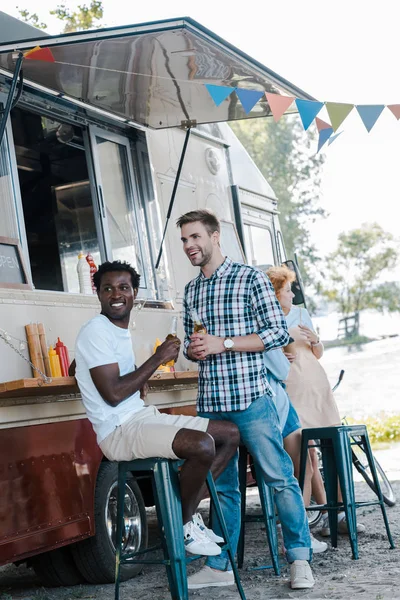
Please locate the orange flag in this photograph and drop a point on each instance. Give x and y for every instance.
(395, 109)
(38, 53)
(321, 125)
(278, 104)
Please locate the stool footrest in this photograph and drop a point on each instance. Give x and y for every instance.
(146, 551)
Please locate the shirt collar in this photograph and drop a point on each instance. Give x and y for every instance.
(219, 272)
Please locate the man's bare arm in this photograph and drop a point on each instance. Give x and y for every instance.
(114, 388)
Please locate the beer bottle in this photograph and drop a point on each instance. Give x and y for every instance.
(172, 334)
(198, 326)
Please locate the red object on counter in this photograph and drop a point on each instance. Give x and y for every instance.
(62, 352)
(93, 269)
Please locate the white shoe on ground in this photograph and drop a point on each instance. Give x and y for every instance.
(317, 546)
(196, 542)
(198, 520)
(342, 526)
(301, 577)
(208, 577)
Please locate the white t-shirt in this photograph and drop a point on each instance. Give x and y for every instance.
(99, 342)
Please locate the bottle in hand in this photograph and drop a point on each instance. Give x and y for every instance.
(172, 334)
(198, 326)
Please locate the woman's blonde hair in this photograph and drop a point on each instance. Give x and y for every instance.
(279, 277)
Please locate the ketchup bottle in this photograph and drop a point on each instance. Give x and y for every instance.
(93, 270)
(62, 353)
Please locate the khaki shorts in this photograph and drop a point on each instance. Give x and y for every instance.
(147, 434)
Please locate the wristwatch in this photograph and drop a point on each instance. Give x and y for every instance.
(228, 344)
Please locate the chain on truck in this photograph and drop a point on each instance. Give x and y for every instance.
(102, 147)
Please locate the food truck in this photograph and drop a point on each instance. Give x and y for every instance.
(108, 136)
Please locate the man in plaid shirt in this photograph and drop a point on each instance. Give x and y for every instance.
(238, 308)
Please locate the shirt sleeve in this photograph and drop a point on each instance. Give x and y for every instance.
(96, 345)
(306, 319)
(272, 327)
(187, 326)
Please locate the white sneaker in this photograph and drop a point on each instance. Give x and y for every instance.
(342, 526)
(196, 542)
(317, 546)
(208, 577)
(301, 577)
(198, 520)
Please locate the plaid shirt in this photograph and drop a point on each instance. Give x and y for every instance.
(236, 300)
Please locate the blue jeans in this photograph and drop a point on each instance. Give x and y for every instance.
(260, 433)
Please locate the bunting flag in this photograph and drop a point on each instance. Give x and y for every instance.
(395, 109)
(38, 53)
(219, 93)
(278, 104)
(248, 98)
(308, 110)
(338, 112)
(324, 136)
(334, 137)
(369, 114)
(322, 124)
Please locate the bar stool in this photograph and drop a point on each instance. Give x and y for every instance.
(165, 483)
(335, 443)
(267, 516)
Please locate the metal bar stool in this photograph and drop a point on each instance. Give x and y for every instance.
(335, 443)
(267, 516)
(165, 482)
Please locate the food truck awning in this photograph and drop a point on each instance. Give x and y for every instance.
(153, 74)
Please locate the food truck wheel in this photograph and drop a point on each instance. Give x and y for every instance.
(95, 556)
(57, 568)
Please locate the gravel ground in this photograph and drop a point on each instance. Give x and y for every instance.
(374, 576)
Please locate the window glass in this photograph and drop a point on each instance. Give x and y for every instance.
(281, 248)
(259, 242)
(8, 220)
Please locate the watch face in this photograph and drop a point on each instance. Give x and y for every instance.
(229, 344)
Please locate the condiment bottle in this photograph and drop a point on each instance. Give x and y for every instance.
(54, 363)
(83, 270)
(93, 269)
(62, 352)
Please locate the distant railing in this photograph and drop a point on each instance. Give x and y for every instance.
(349, 326)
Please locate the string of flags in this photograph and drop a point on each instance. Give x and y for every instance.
(308, 109)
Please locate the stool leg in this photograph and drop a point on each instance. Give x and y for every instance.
(120, 519)
(225, 535)
(371, 462)
(243, 455)
(331, 479)
(268, 510)
(345, 471)
(169, 513)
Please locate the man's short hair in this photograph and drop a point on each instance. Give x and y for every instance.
(116, 265)
(204, 216)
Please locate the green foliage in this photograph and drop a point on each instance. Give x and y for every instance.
(31, 18)
(354, 268)
(286, 156)
(382, 429)
(85, 17)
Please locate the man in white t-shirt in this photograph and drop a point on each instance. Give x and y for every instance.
(126, 429)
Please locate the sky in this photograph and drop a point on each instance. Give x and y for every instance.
(341, 51)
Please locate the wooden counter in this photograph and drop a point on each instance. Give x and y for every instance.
(36, 386)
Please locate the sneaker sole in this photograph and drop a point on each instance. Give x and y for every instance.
(203, 553)
(302, 586)
(199, 586)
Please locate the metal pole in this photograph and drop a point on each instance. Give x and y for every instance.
(171, 202)
(10, 97)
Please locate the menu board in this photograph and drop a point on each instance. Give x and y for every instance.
(12, 269)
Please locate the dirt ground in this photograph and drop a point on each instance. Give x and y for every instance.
(376, 575)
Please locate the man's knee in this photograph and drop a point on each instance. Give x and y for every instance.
(224, 432)
(194, 444)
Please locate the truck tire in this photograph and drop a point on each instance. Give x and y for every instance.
(57, 568)
(95, 556)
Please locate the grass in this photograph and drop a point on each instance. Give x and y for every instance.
(356, 340)
(382, 430)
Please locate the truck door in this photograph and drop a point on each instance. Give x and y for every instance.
(259, 236)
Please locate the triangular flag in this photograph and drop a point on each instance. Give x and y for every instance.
(334, 137)
(369, 114)
(219, 92)
(337, 112)
(395, 109)
(324, 136)
(248, 98)
(38, 53)
(308, 110)
(322, 124)
(278, 104)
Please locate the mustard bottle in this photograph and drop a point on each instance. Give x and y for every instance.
(161, 367)
(54, 363)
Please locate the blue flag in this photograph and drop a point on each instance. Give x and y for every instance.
(324, 136)
(369, 114)
(219, 92)
(308, 110)
(249, 98)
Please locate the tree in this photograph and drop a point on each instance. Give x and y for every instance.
(286, 156)
(355, 269)
(85, 17)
